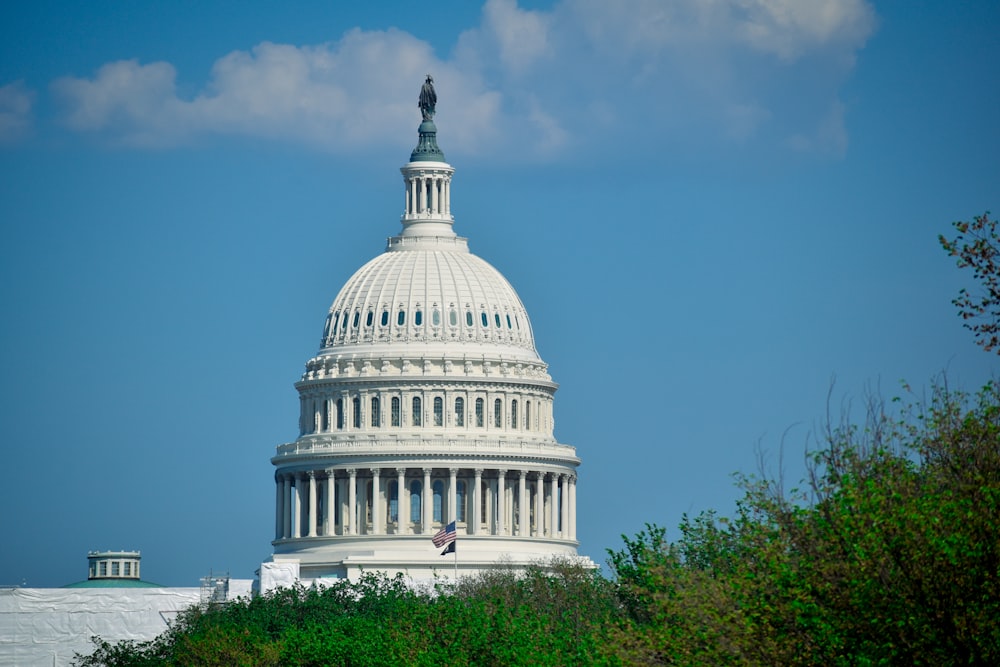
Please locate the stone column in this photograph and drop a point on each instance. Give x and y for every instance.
(564, 505)
(427, 503)
(311, 507)
(501, 528)
(352, 501)
(572, 507)
(539, 504)
(286, 506)
(477, 500)
(298, 502)
(452, 488)
(402, 518)
(376, 502)
(554, 506)
(279, 507)
(523, 511)
(330, 520)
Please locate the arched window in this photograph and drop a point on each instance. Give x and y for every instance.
(460, 500)
(468, 318)
(326, 415)
(438, 489)
(376, 413)
(527, 415)
(385, 318)
(393, 493)
(357, 412)
(340, 413)
(497, 413)
(368, 320)
(357, 318)
(436, 317)
(496, 318)
(508, 322)
(418, 318)
(459, 411)
(416, 489)
(479, 412)
(485, 320)
(395, 410)
(513, 414)
(417, 413)
(438, 411)
(453, 318)
(401, 318)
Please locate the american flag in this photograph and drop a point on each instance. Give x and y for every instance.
(445, 535)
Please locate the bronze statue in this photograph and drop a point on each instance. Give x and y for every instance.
(428, 99)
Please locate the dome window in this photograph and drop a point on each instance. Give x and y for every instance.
(459, 411)
(357, 412)
(417, 413)
(376, 413)
(468, 318)
(401, 318)
(438, 411)
(343, 323)
(508, 321)
(385, 318)
(496, 318)
(357, 319)
(368, 320)
(498, 413)
(513, 414)
(517, 322)
(479, 412)
(395, 410)
(453, 318)
(485, 320)
(436, 317)
(418, 318)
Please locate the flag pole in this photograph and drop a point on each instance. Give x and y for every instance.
(455, 551)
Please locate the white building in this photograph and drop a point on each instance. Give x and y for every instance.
(427, 403)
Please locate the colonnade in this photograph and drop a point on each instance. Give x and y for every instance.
(428, 194)
(342, 501)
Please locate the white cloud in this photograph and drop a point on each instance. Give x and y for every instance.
(641, 71)
(16, 103)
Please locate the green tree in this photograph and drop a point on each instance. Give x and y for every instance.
(977, 247)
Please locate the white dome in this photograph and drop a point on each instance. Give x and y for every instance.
(429, 294)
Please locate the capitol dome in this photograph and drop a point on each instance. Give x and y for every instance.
(426, 413)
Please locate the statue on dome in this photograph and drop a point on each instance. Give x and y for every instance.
(428, 98)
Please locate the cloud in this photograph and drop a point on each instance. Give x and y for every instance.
(16, 103)
(557, 81)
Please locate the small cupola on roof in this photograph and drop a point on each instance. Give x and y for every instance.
(427, 177)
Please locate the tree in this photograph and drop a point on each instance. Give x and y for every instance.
(977, 246)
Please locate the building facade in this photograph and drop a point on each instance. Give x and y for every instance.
(427, 403)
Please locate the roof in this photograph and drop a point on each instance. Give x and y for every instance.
(111, 582)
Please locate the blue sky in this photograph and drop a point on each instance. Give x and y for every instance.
(712, 211)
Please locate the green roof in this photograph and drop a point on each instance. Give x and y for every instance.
(111, 582)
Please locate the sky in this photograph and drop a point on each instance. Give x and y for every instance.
(722, 218)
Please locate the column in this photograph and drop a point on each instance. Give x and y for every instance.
(564, 505)
(330, 520)
(554, 504)
(523, 511)
(376, 502)
(572, 507)
(286, 506)
(477, 500)
(427, 503)
(447, 196)
(279, 507)
(539, 504)
(311, 509)
(402, 517)
(352, 501)
(298, 502)
(501, 528)
(452, 488)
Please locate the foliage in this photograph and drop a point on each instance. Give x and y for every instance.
(548, 615)
(890, 556)
(977, 246)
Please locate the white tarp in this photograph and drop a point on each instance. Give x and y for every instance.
(45, 626)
